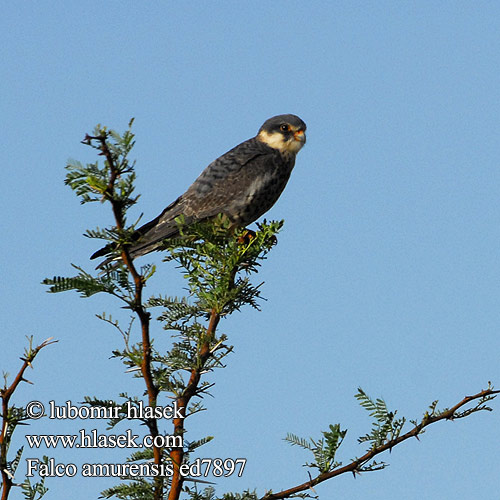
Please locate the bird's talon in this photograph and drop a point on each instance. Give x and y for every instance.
(246, 237)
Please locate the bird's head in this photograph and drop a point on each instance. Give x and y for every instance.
(284, 132)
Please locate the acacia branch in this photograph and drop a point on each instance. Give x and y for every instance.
(137, 306)
(5, 394)
(356, 465)
(177, 454)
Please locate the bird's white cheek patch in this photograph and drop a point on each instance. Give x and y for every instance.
(276, 141)
(273, 140)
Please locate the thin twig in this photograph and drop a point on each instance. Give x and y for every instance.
(357, 464)
(5, 394)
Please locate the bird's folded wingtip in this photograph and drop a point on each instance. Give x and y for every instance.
(97, 254)
(102, 251)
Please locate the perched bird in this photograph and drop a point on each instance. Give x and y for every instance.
(242, 184)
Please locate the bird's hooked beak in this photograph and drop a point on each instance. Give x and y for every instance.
(300, 136)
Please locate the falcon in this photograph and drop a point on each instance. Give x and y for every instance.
(242, 184)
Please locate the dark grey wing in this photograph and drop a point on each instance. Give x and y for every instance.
(213, 192)
(242, 184)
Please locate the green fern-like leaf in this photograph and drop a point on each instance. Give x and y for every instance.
(299, 441)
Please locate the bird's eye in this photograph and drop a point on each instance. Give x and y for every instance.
(284, 127)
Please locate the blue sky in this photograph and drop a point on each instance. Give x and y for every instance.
(386, 275)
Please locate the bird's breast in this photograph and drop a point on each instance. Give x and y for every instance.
(261, 194)
(259, 185)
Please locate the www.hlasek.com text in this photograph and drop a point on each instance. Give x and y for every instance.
(92, 439)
